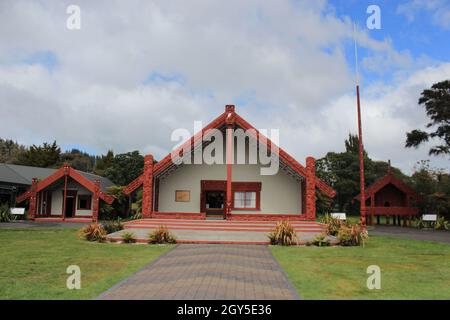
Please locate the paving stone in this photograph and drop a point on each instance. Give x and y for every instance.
(208, 271)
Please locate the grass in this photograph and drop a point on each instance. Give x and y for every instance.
(33, 263)
(410, 269)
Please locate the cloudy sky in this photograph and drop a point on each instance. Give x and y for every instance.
(137, 70)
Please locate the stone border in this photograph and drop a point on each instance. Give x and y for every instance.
(290, 285)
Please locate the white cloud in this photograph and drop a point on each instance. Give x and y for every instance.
(286, 59)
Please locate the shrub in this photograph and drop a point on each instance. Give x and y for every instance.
(441, 224)
(333, 224)
(321, 240)
(93, 232)
(352, 236)
(128, 237)
(113, 226)
(161, 235)
(284, 234)
(419, 223)
(5, 213)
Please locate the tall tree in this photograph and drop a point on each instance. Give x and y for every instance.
(104, 162)
(125, 168)
(78, 160)
(10, 151)
(437, 105)
(46, 156)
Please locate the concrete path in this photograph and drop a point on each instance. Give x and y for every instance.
(208, 272)
(411, 233)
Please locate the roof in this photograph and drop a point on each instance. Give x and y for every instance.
(18, 174)
(231, 117)
(87, 180)
(389, 178)
(13, 173)
(105, 183)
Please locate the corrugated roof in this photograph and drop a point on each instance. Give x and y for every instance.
(18, 174)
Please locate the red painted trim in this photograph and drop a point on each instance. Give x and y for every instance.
(217, 123)
(133, 185)
(384, 181)
(147, 187)
(81, 220)
(179, 215)
(70, 172)
(230, 158)
(268, 217)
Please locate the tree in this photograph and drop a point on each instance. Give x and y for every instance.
(46, 156)
(125, 168)
(341, 171)
(10, 150)
(437, 106)
(78, 160)
(433, 186)
(104, 162)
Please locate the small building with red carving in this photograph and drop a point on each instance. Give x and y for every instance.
(66, 195)
(232, 189)
(392, 198)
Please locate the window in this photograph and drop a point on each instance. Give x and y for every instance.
(245, 200)
(246, 195)
(84, 202)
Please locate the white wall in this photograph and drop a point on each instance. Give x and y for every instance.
(57, 199)
(280, 193)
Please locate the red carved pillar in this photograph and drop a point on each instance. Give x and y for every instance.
(147, 187)
(66, 174)
(303, 196)
(96, 201)
(310, 188)
(230, 157)
(372, 209)
(33, 198)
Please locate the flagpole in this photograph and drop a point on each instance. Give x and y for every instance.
(361, 148)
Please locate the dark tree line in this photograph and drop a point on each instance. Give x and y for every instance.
(120, 168)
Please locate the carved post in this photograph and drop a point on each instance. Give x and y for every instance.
(33, 198)
(310, 188)
(66, 174)
(96, 201)
(147, 187)
(230, 158)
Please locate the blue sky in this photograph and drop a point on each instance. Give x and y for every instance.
(422, 37)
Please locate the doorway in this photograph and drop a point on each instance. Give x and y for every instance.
(69, 210)
(215, 204)
(213, 195)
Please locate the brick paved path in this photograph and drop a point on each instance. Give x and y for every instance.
(194, 271)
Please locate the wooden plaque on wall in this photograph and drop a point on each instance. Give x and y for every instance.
(182, 196)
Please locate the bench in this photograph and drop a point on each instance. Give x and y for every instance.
(429, 219)
(339, 216)
(17, 212)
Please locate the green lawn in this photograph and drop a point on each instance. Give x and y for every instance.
(33, 263)
(410, 269)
